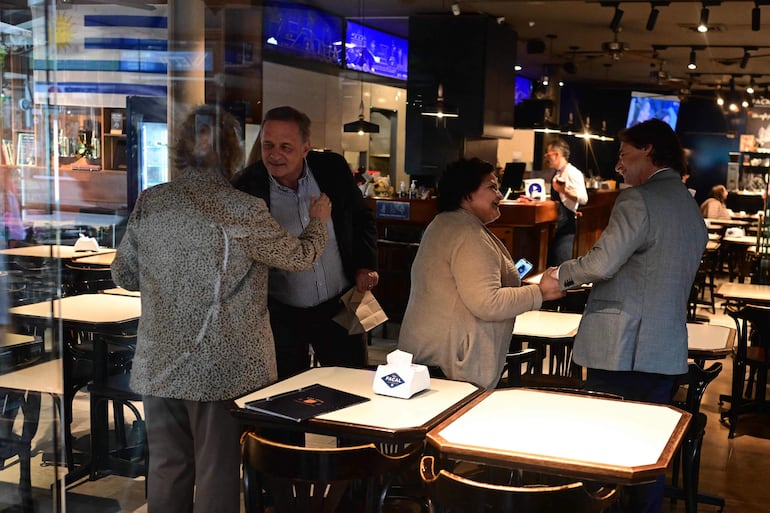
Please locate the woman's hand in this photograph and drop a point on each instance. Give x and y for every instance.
(320, 207)
(549, 285)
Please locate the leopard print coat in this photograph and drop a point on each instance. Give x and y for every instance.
(199, 252)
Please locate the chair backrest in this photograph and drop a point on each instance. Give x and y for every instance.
(465, 495)
(696, 382)
(752, 324)
(309, 479)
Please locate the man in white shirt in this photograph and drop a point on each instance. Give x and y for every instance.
(568, 188)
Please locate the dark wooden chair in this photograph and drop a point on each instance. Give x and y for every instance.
(125, 456)
(688, 396)
(322, 480)
(752, 354)
(458, 494)
(520, 371)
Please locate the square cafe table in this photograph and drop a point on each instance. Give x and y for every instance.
(382, 418)
(52, 251)
(744, 292)
(607, 440)
(85, 312)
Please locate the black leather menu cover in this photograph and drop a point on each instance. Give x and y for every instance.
(305, 403)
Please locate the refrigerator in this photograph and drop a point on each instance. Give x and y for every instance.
(147, 145)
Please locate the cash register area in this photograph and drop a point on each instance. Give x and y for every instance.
(729, 468)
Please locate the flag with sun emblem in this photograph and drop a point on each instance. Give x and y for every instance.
(103, 53)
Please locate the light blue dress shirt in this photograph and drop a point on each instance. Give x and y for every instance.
(326, 278)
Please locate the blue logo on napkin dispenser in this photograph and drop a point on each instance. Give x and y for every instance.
(393, 380)
(534, 189)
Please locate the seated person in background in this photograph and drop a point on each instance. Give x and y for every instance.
(714, 207)
(465, 289)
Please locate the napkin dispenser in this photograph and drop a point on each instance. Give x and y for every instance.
(400, 377)
(535, 188)
(86, 244)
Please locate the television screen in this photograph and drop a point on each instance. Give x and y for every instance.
(645, 106)
(302, 31)
(374, 51)
(523, 89)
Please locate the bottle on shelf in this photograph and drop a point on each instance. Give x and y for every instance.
(402, 190)
(413, 189)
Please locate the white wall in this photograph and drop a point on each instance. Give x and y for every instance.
(332, 101)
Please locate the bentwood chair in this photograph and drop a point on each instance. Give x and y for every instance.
(688, 396)
(751, 363)
(319, 480)
(450, 492)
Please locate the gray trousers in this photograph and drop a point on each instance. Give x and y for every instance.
(195, 456)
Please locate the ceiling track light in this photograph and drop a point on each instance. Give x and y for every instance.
(756, 15)
(692, 64)
(652, 19)
(745, 59)
(616, 17)
(456, 8)
(703, 24)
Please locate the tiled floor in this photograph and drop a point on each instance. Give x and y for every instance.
(732, 468)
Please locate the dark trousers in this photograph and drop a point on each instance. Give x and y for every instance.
(636, 386)
(296, 329)
(195, 456)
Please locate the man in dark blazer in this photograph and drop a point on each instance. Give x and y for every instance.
(633, 334)
(302, 304)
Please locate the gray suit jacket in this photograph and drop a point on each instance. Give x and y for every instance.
(642, 269)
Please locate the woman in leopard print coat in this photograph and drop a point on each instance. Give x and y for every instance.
(199, 252)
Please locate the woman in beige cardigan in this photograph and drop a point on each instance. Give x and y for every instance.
(466, 290)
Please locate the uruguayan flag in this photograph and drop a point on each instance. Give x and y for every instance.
(98, 54)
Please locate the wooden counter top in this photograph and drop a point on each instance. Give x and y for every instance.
(511, 214)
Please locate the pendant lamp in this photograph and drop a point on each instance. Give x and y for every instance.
(440, 111)
(361, 126)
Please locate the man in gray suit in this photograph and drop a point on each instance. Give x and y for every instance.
(633, 335)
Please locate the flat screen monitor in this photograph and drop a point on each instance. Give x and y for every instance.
(513, 177)
(646, 106)
(374, 51)
(302, 31)
(523, 89)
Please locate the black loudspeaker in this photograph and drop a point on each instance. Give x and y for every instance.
(531, 113)
(471, 56)
(535, 46)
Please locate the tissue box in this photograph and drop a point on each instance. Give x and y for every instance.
(535, 188)
(400, 377)
(86, 244)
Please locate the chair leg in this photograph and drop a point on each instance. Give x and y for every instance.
(252, 490)
(690, 460)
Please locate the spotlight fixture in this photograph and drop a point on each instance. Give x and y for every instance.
(703, 24)
(615, 23)
(750, 87)
(756, 15)
(456, 8)
(652, 18)
(500, 20)
(691, 64)
(745, 59)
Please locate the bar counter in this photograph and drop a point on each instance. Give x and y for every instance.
(524, 228)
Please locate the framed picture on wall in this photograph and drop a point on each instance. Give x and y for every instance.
(26, 149)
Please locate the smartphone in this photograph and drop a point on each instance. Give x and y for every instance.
(523, 266)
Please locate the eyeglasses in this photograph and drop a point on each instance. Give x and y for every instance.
(549, 153)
